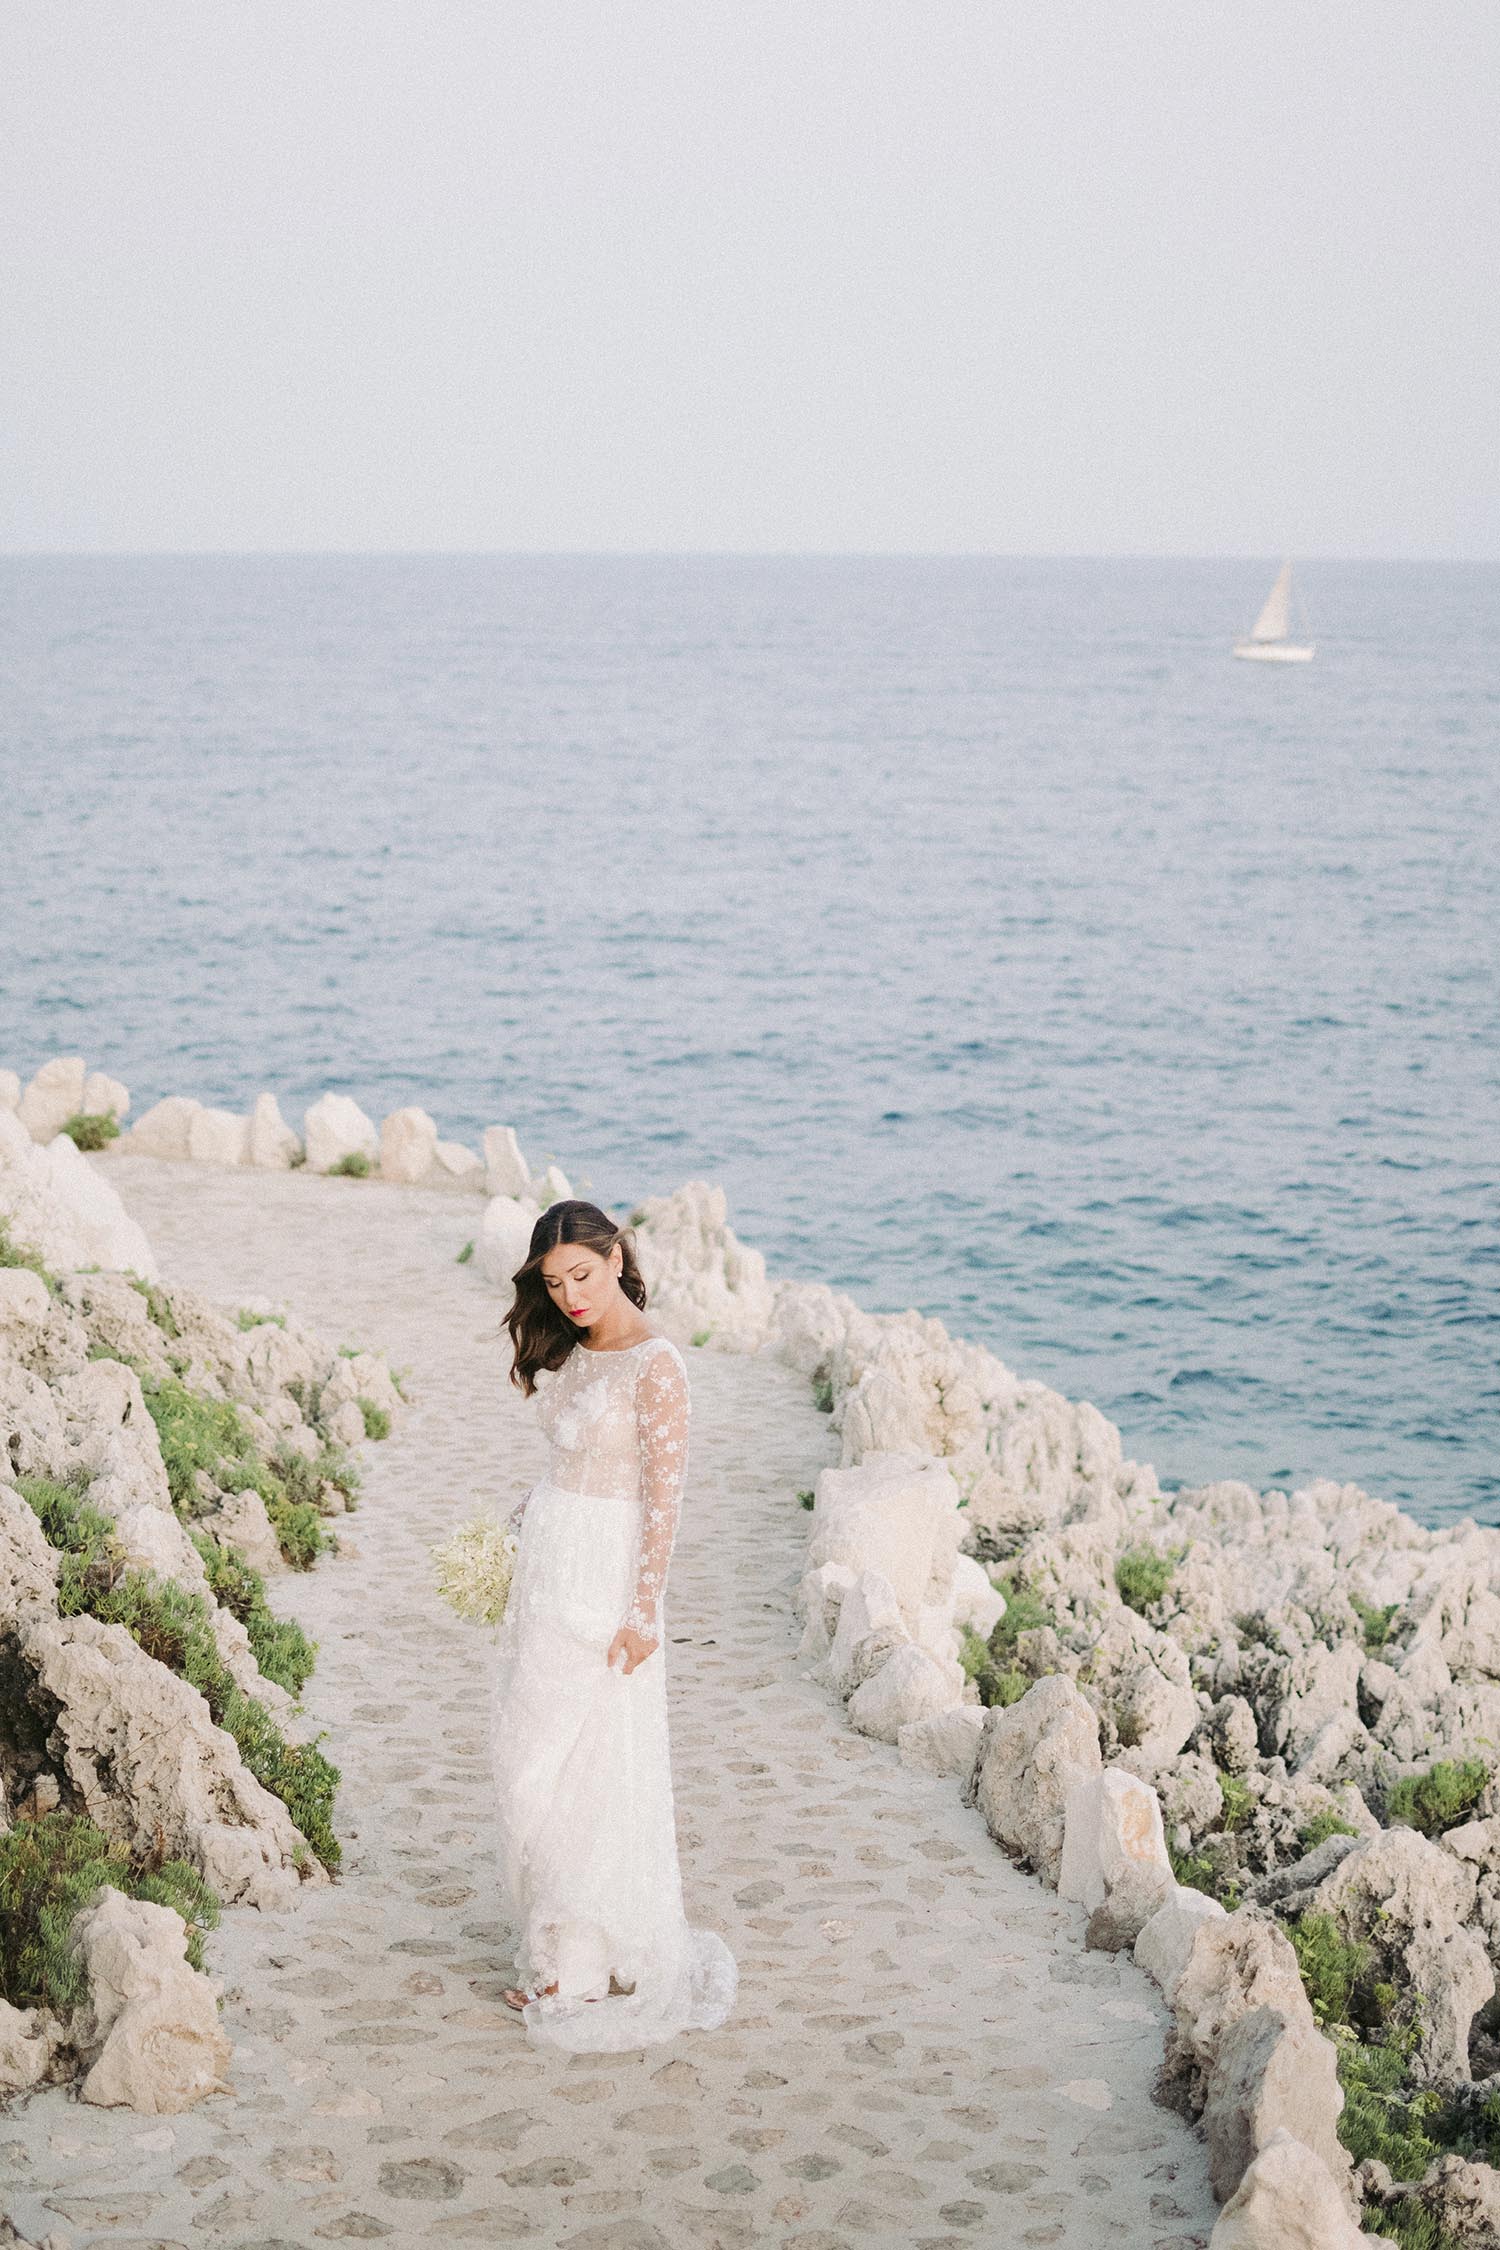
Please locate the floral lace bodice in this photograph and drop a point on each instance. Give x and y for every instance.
(617, 1423)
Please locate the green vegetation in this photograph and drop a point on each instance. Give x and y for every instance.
(91, 1129)
(822, 1391)
(1205, 1871)
(49, 1868)
(1374, 1623)
(377, 1418)
(172, 1624)
(158, 1304)
(280, 1647)
(1142, 1575)
(1440, 1798)
(806, 1498)
(354, 1166)
(1024, 1611)
(248, 1320)
(1376, 2028)
(992, 1664)
(465, 1254)
(198, 1433)
(1337, 1974)
(1001, 1684)
(1236, 1801)
(702, 1336)
(12, 1254)
(1321, 1827)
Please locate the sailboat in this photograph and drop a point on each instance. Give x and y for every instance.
(1270, 641)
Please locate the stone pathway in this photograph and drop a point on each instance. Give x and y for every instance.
(923, 2053)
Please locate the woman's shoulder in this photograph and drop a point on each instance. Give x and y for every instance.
(655, 1346)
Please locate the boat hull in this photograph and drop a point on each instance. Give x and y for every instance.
(1275, 652)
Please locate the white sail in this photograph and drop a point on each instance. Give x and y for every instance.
(1274, 621)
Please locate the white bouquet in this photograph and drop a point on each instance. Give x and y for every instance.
(474, 1568)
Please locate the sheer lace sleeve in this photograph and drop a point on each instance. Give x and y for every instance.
(661, 1405)
(513, 1520)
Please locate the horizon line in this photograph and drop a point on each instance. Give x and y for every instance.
(719, 554)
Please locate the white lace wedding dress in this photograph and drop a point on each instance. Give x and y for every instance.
(579, 1749)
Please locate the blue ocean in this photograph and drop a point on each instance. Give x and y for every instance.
(1001, 946)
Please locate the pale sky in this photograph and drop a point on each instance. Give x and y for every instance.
(1068, 277)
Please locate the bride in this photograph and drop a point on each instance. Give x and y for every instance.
(605, 1958)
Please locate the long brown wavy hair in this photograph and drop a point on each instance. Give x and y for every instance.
(541, 1335)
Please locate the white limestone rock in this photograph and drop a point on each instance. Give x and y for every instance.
(1288, 2200)
(1461, 2198)
(1166, 1941)
(1029, 1758)
(33, 2048)
(700, 1278)
(1273, 2073)
(451, 1160)
(909, 1685)
(28, 1562)
(1241, 1962)
(10, 1089)
(104, 1096)
(943, 1744)
(1408, 1899)
(241, 1521)
(137, 1743)
(218, 1136)
(870, 1628)
(56, 1202)
(163, 1129)
(503, 1242)
(1153, 1713)
(817, 1601)
(552, 1187)
(408, 1142)
(270, 1143)
(897, 1514)
(335, 1127)
(54, 1095)
(808, 1323)
(24, 1301)
(1114, 1853)
(149, 2031)
(506, 1171)
(977, 1601)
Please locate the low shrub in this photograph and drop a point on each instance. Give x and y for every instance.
(465, 1254)
(1321, 1827)
(172, 1624)
(377, 1419)
(1237, 1804)
(91, 1129)
(49, 1868)
(1375, 1624)
(157, 1304)
(1440, 1798)
(248, 1320)
(13, 1253)
(280, 1647)
(1143, 1574)
(198, 1433)
(354, 1166)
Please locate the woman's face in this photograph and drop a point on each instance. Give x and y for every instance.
(580, 1281)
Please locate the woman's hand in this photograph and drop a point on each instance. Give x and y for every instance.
(630, 1644)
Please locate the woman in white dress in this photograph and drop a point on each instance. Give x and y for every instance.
(605, 1957)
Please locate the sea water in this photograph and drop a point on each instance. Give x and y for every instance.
(999, 944)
